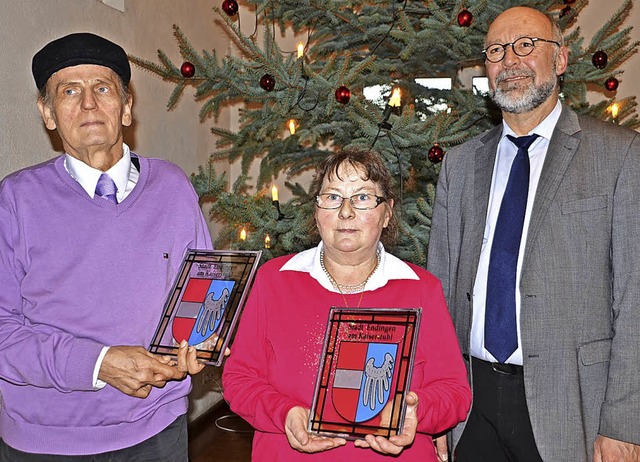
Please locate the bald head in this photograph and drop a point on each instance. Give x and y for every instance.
(524, 21)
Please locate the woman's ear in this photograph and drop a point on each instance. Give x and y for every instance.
(389, 213)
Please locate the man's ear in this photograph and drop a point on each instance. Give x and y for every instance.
(47, 114)
(562, 60)
(127, 116)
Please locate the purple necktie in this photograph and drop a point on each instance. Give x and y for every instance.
(500, 332)
(106, 188)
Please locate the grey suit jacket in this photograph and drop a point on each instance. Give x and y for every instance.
(580, 280)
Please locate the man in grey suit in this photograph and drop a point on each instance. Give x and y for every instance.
(544, 291)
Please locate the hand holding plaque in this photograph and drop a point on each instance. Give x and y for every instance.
(396, 443)
(361, 391)
(303, 441)
(204, 305)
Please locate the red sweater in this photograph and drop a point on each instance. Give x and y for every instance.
(275, 356)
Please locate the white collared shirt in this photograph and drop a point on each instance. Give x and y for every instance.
(504, 158)
(391, 267)
(123, 173)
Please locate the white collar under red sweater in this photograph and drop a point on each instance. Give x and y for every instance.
(391, 267)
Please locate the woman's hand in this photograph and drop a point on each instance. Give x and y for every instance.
(300, 440)
(395, 444)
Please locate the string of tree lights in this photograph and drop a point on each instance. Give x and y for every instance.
(333, 91)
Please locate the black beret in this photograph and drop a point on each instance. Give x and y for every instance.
(75, 49)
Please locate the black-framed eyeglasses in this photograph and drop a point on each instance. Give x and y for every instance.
(360, 201)
(521, 47)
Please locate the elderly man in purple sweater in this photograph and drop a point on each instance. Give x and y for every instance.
(90, 242)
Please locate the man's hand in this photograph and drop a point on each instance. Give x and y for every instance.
(610, 450)
(133, 370)
(296, 431)
(187, 359)
(395, 444)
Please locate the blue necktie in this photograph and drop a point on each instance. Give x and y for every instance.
(500, 332)
(106, 188)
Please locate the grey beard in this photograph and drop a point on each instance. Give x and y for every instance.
(537, 95)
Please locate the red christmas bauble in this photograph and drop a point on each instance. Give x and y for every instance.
(343, 95)
(565, 11)
(436, 154)
(611, 84)
(267, 82)
(187, 69)
(230, 7)
(465, 18)
(569, 2)
(600, 59)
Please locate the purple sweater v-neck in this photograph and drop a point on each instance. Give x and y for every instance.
(77, 274)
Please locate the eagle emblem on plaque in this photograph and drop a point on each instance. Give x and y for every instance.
(201, 309)
(362, 380)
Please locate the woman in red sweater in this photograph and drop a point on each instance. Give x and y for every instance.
(270, 376)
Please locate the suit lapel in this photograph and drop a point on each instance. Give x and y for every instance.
(562, 147)
(484, 164)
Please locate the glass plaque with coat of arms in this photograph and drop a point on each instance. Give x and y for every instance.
(365, 371)
(205, 302)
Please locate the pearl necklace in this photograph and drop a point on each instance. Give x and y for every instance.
(345, 288)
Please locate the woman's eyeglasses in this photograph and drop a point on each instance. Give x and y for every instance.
(361, 201)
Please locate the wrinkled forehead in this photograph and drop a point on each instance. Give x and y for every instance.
(85, 74)
(518, 22)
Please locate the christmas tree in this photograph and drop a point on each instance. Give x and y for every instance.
(334, 91)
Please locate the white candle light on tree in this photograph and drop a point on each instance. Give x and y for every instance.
(396, 98)
(394, 105)
(275, 201)
(615, 108)
(292, 126)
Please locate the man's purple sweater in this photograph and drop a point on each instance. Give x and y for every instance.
(77, 274)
